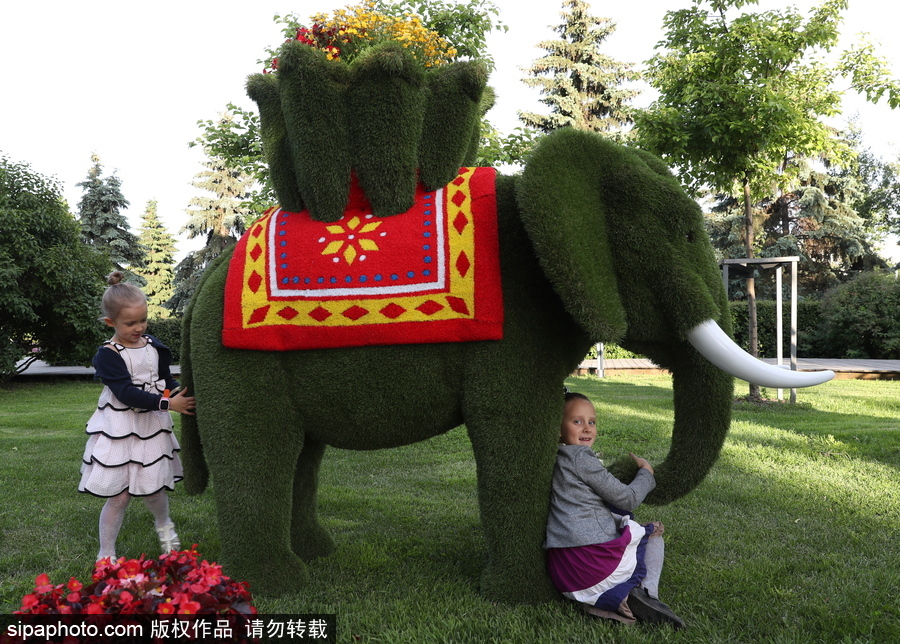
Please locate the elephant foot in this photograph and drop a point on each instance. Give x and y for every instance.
(312, 543)
(520, 587)
(272, 575)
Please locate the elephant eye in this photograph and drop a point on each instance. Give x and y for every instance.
(690, 236)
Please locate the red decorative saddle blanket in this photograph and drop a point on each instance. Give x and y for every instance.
(431, 274)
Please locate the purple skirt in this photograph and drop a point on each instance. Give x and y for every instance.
(601, 574)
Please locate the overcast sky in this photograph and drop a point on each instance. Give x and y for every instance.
(129, 81)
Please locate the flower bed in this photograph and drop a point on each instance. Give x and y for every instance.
(174, 584)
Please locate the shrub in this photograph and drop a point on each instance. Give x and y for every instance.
(861, 318)
(168, 330)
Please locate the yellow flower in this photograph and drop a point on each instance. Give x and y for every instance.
(359, 26)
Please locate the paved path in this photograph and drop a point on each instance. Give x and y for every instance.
(41, 368)
(843, 369)
(862, 369)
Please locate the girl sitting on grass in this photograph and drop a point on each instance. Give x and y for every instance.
(596, 553)
(131, 450)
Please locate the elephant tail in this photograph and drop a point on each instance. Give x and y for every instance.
(196, 471)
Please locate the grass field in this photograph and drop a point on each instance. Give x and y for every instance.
(794, 536)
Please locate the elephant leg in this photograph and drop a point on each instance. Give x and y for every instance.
(309, 538)
(252, 446)
(254, 512)
(515, 451)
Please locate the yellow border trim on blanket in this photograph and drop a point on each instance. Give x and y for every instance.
(350, 312)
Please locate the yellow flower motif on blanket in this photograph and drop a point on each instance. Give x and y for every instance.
(351, 244)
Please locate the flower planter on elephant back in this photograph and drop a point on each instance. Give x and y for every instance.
(384, 118)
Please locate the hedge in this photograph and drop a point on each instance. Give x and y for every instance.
(809, 338)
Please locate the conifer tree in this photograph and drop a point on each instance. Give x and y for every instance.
(583, 88)
(157, 270)
(103, 226)
(221, 218)
(815, 219)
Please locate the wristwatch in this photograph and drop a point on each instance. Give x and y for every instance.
(164, 404)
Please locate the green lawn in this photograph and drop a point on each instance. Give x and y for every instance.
(792, 538)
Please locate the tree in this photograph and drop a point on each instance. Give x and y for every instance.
(222, 219)
(50, 282)
(583, 88)
(103, 226)
(497, 149)
(157, 270)
(738, 98)
(235, 138)
(815, 220)
(879, 205)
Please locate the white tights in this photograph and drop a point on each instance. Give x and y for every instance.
(653, 558)
(113, 513)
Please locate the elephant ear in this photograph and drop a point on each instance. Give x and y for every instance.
(561, 201)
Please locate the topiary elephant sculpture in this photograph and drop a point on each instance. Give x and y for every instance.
(597, 242)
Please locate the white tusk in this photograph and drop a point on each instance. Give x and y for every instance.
(715, 345)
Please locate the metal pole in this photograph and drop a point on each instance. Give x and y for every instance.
(779, 313)
(794, 324)
(600, 357)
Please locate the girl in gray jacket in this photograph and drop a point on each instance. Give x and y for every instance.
(596, 553)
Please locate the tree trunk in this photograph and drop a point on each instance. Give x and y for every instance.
(751, 282)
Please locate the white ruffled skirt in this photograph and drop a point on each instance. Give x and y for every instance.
(129, 450)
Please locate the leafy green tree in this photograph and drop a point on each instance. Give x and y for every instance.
(103, 225)
(157, 271)
(511, 149)
(50, 281)
(738, 97)
(221, 219)
(464, 24)
(583, 87)
(879, 204)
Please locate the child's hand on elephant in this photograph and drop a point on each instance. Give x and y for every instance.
(642, 462)
(181, 403)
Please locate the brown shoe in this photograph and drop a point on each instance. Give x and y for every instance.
(648, 609)
(593, 611)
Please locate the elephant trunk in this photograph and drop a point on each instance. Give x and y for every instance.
(702, 400)
(703, 391)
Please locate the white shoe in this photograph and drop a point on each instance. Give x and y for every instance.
(168, 540)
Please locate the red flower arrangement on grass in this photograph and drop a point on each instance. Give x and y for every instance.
(174, 584)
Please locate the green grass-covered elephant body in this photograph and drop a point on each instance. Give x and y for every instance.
(597, 243)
